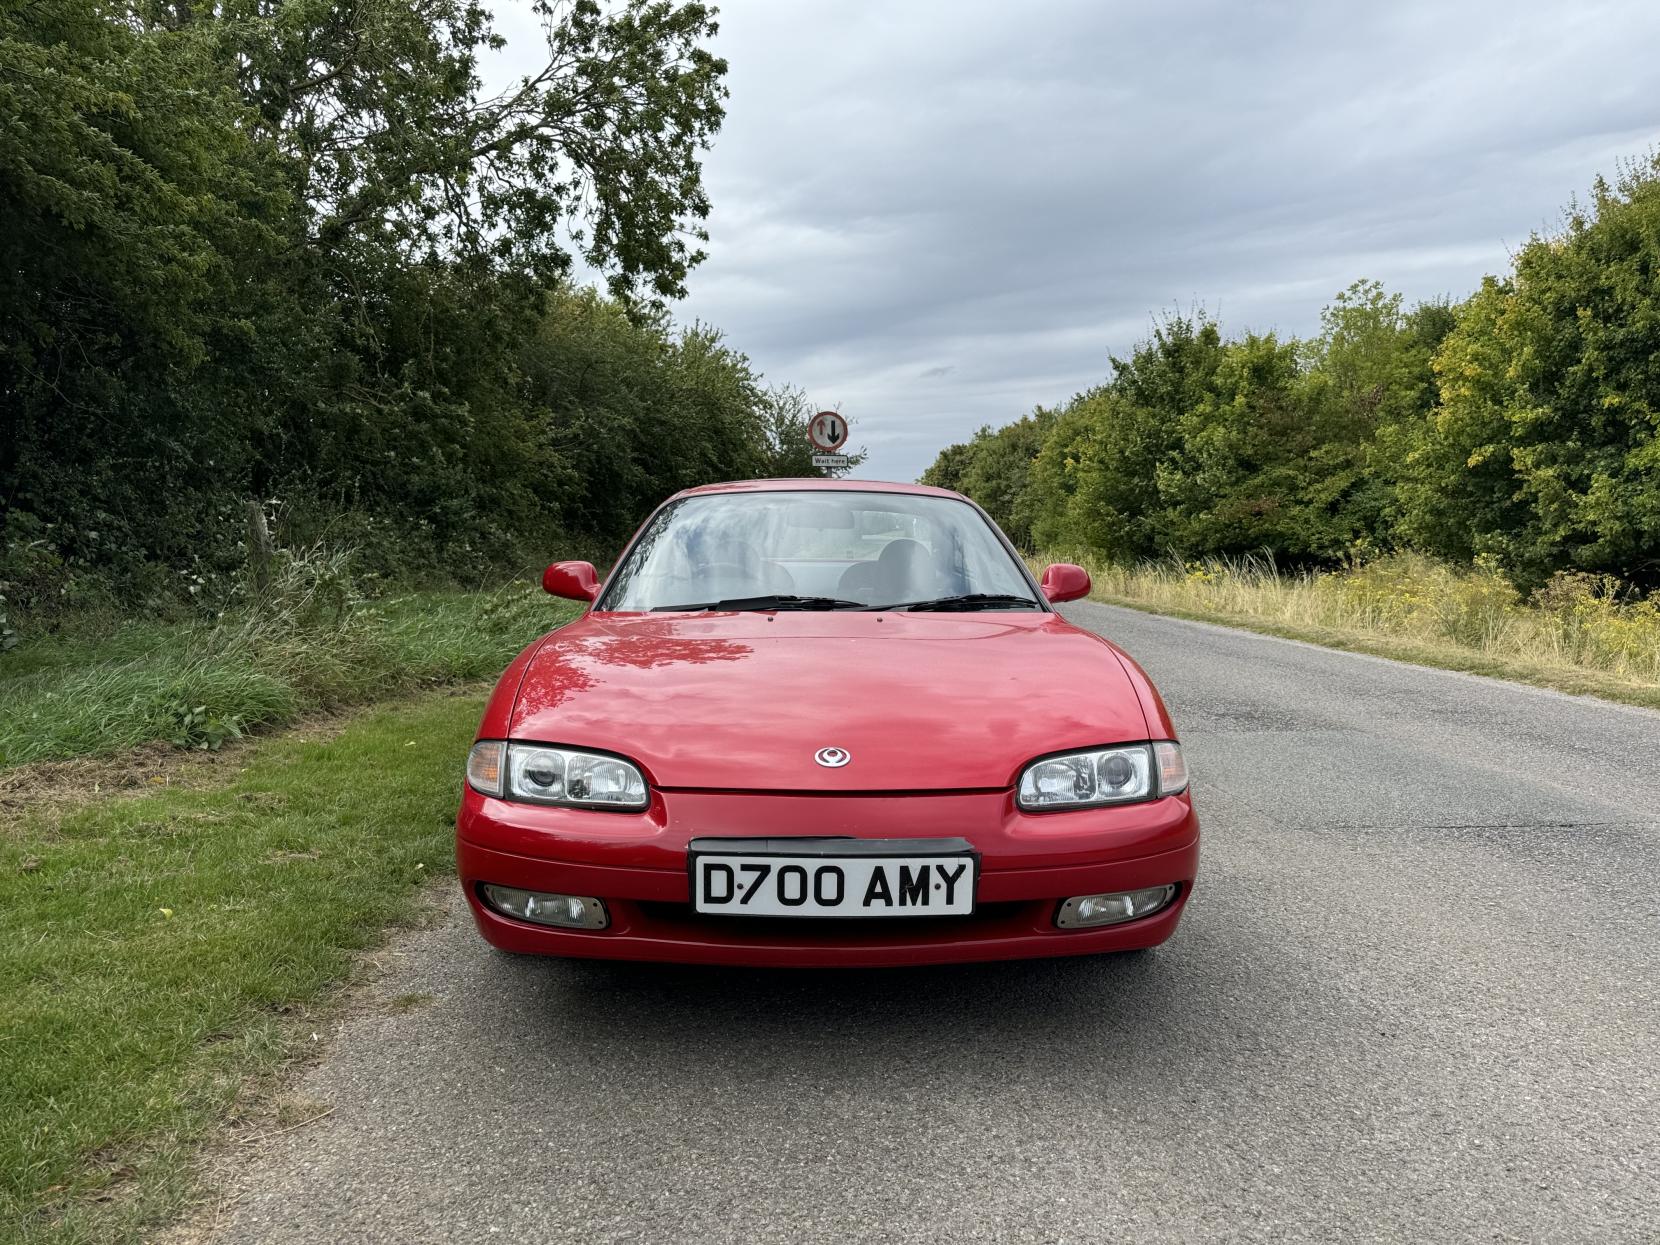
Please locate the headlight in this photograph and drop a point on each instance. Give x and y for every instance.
(541, 775)
(1103, 776)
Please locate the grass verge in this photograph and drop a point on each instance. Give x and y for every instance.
(309, 643)
(158, 953)
(1576, 635)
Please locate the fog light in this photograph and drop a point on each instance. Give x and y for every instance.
(569, 911)
(1085, 910)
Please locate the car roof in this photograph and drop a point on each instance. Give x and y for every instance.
(819, 484)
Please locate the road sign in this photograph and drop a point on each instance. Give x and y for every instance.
(827, 431)
(829, 460)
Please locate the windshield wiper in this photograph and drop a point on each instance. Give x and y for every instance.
(771, 601)
(965, 601)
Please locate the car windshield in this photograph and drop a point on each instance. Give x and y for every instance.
(819, 550)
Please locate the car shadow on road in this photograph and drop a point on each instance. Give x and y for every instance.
(723, 1018)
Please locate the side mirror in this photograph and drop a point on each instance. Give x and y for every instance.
(575, 581)
(1062, 581)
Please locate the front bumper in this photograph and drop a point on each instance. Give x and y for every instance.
(636, 863)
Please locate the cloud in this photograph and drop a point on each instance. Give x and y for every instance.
(938, 215)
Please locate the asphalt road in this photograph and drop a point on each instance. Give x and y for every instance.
(1414, 998)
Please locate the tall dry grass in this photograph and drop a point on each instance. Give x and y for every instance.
(1575, 622)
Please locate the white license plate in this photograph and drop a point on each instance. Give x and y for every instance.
(820, 886)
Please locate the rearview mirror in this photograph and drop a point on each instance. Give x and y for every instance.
(575, 581)
(1062, 581)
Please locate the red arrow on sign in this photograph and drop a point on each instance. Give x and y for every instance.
(827, 431)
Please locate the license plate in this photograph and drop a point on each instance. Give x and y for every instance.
(831, 878)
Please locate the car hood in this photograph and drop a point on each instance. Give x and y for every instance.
(743, 701)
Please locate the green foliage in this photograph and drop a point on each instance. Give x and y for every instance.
(994, 468)
(1458, 493)
(1240, 476)
(946, 471)
(393, 148)
(1371, 380)
(1547, 430)
(199, 727)
(1100, 471)
(295, 253)
(634, 411)
(309, 641)
(1522, 426)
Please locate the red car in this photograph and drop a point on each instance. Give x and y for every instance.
(812, 722)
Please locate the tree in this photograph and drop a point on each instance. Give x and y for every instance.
(997, 471)
(1372, 386)
(947, 469)
(1136, 425)
(1543, 451)
(377, 104)
(1058, 519)
(1247, 475)
(1581, 333)
(142, 223)
(293, 250)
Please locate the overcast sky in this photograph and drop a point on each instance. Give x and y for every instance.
(936, 215)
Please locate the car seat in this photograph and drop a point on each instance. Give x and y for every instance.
(729, 567)
(903, 571)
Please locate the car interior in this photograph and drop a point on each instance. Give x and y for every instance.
(887, 552)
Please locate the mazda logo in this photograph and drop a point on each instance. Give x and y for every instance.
(832, 758)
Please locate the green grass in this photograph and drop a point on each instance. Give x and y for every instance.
(158, 953)
(308, 645)
(1578, 635)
